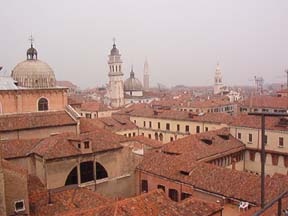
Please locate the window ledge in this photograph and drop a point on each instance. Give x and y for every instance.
(280, 146)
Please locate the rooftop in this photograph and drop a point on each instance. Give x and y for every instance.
(60, 146)
(265, 101)
(114, 123)
(147, 112)
(24, 121)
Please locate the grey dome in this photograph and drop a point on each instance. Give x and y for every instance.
(114, 50)
(132, 83)
(34, 74)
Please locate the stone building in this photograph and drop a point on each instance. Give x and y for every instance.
(169, 125)
(206, 166)
(32, 106)
(247, 129)
(97, 159)
(264, 103)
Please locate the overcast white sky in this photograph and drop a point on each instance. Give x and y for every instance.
(183, 40)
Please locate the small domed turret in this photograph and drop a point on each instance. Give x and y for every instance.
(33, 73)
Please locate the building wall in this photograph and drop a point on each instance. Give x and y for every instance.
(138, 100)
(97, 114)
(37, 132)
(254, 165)
(119, 165)
(2, 192)
(154, 181)
(16, 188)
(272, 138)
(172, 132)
(129, 133)
(252, 160)
(18, 101)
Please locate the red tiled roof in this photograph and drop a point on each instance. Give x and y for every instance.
(146, 141)
(195, 148)
(114, 123)
(66, 84)
(59, 146)
(265, 101)
(179, 115)
(271, 123)
(17, 148)
(35, 120)
(204, 176)
(153, 203)
(93, 106)
(65, 200)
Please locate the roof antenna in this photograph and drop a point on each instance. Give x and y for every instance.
(31, 39)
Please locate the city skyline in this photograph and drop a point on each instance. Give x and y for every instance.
(188, 39)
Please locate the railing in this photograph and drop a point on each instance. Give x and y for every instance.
(271, 203)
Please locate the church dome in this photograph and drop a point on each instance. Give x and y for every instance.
(33, 73)
(132, 83)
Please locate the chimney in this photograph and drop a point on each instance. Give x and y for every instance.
(190, 115)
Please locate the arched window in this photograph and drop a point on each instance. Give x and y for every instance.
(156, 136)
(173, 194)
(72, 177)
(100, 171)
(86, 170)
(42, 104)
(161, 137)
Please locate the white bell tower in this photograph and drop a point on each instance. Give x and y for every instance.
(218, 85)
(116, 85)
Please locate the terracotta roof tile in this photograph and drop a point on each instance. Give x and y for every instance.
(180, 115)
(204, 176)
(153, 203)
(266, 101)
(35, 120)
(146, 141)
(114, 123)
(196, 148)
(271, 123)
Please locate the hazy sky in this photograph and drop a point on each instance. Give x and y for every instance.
(183, 40)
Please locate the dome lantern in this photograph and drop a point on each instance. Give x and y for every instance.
(31, 52)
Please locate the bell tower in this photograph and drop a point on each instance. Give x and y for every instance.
(218, 80)
(116, 85)
(146, 75)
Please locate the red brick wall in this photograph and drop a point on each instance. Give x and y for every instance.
(18, 101)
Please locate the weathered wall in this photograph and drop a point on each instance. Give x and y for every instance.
(18, 101)
(172, 132)
(16, 188)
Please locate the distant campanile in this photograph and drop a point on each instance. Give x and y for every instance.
(146, 75)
